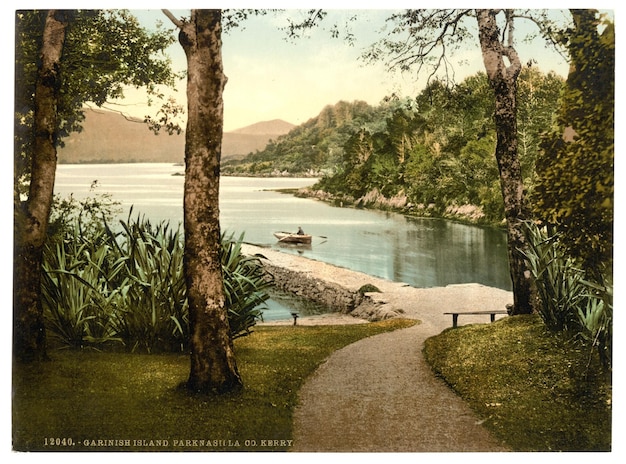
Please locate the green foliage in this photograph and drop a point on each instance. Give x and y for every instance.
(576, 180)
(570, 300)
(368, 288)
(102, 287)
(537, 95)
(434, 152)
(245, 286)
(104, 51)
(558, 281)
(317, 145)
(89, 214)
(438, 150)
(153, 314)
(78, 305)
(596, 320)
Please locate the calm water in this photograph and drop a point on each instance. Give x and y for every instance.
(420, 252)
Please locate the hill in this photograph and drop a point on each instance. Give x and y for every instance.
(273, 127)
(109, 137)
(313, 147)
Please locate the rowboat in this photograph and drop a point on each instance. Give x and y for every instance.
(289, 237)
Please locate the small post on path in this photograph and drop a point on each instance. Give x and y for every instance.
(295, 317)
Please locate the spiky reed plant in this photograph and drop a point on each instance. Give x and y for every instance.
(596, 319)
(80, 291)
(558, 281)
(245, 286)
(154, 316)
(102, 286)
(570, 300)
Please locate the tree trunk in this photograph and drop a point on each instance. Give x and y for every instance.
(503, 80)
(213, 366)
(31, 216)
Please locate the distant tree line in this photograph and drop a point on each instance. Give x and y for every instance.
(427, 155)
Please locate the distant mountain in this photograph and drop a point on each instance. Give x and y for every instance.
(109, 137)
(250, 139)
(273, 127)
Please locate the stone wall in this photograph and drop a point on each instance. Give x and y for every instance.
(303, 284)
(328, 293)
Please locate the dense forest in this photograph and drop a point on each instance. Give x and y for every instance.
(432, 155)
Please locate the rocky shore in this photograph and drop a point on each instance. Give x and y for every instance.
(344, 291)
(374, 199)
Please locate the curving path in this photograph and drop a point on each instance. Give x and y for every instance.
(378, 394)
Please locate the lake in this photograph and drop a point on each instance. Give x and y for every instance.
(419, 251)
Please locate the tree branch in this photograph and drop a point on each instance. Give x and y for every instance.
(96, 109)
(514, 69)
(510, 27)
(423, 38)
(177, 22)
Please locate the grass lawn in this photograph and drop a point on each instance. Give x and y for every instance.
(536, 390)
(100, 401)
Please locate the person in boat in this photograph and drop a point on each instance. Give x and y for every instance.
(300, 231)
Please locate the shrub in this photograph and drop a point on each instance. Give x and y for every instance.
(558, 281)
(77, 294)
(570, 300)
(245, 287)
(101, 286)
(89, 215)
(368, 288)
(155, 315)
(596, 320)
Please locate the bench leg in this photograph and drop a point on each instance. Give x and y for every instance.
(455, 319)
(493, 317)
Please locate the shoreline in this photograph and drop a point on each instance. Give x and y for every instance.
(463, 214)
(395, 299)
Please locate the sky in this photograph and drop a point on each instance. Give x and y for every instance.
(270, 77)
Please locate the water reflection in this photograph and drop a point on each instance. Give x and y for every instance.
(299, 248)
(281, 306)
(420, 252)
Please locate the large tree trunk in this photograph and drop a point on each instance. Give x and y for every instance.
(503, 80)
(31, 216)
(213, 366)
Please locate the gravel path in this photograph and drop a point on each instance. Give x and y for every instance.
(378, 394)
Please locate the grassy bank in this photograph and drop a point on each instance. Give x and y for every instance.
(93, 401)
(536, 390)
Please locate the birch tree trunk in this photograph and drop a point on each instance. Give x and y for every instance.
(213, 366)
(503, 80)
(31, 216)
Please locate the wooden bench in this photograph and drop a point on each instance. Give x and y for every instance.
(492, 314)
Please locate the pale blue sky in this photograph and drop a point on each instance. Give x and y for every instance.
(271, 78)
